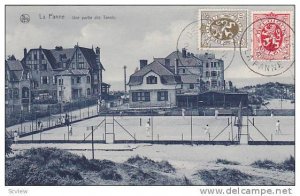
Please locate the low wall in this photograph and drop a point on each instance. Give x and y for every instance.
(276, 112)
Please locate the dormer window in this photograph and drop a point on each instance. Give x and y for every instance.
(151, 80)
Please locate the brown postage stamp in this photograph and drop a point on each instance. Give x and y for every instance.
(222, 28)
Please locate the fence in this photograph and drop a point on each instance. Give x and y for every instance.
(46, 110)
(40, 123)
(184, 129)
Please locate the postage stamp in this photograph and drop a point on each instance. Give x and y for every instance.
(222, 28)
(271, 36)
(188, 38)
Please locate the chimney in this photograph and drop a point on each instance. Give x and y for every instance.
(143, 63)
(176, 66)
(167, 62)
(98, 51)
(183, 52)
(25, 52)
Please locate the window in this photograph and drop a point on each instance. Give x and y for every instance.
(141, 96)
(88, 91)
(15, 93)
(35, 66)
(215, 64)
(95, 78)
(192, 86)
(42, 56)
(43, 67)
(79, 55)
(162, 96)
(35, 57)
(80, 65)
(60, 93)
(213, 73)
(88, 79)
(44, 80)
(26, 76)
(207, 65)
(211, 64)
(60, 81)
(35, 84)
(54, 80)
(72, 81)
(207, 74)
(151, 80)
(183, 70)
(78, 80)
(214, 83)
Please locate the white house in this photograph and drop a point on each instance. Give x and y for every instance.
(153, 85)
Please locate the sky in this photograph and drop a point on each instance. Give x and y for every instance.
(131, 33)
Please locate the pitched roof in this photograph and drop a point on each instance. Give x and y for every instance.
(90, 57)
(15, 69)
(16, 75)
(72, 72)
(51, 58)
(190, 60)
(54, 56)
(166, 76)
(14, 65)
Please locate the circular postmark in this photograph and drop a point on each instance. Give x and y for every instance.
(272, 45)
(188, 40)
(24, 18)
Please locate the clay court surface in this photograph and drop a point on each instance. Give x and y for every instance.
(173, 128)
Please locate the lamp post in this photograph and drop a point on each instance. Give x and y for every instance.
(125, 87)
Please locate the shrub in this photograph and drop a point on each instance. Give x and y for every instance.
(224, 176)
(289, 164)
(226, 162)
(286, 165)
(110, 174)
(43, 166)
(163, 166)
(266, 164)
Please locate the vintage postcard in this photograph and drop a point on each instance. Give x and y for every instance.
(194, 95)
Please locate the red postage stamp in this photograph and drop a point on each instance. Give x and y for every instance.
(271, 36)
